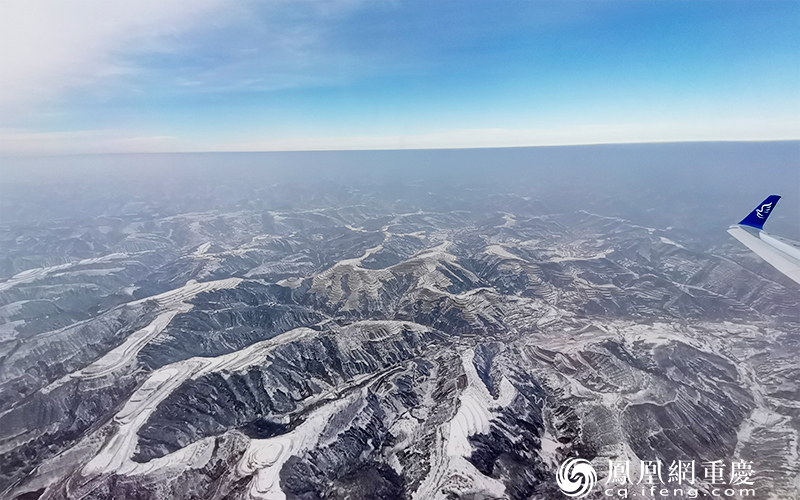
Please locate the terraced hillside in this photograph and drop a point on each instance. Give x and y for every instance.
(347, 346)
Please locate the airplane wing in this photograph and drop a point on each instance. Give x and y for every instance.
(783, 254)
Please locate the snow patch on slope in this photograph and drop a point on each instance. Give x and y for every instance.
(475, 409)
(31, 275)
(116, 454)
(264, 458)
(670, 242)
(501, 252)
(189, 291)
(451, 473)
(202, 249)
(123, 354)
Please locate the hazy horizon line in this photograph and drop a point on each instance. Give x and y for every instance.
(442, 148)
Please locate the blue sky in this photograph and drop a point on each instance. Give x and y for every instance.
(207, 75)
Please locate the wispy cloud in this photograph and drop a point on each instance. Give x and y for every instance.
(50, 46)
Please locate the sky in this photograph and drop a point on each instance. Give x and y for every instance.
(93, 76)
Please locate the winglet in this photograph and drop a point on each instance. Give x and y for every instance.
(758, 217)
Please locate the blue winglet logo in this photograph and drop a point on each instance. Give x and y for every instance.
(764, 211)
(758, 217)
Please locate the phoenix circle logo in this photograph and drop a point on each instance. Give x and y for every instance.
(576, 477)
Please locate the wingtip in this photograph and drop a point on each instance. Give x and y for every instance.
(759, 215)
